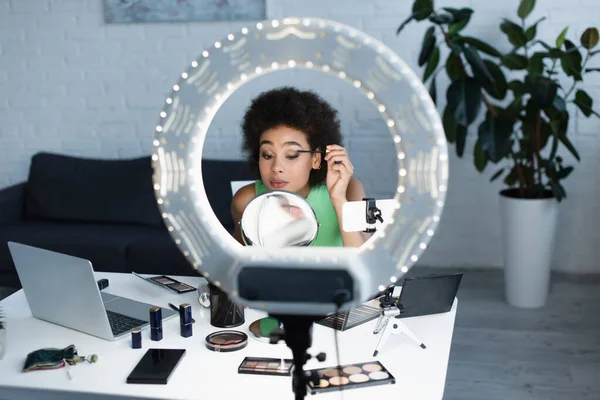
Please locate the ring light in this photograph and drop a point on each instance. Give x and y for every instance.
(393, 89)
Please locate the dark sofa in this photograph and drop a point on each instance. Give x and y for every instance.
(104, 211)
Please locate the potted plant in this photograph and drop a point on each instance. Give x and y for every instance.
(524, 129)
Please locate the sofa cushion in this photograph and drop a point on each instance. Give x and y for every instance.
(104, 245)
(64, 188)
(156, 253)
(217, 176)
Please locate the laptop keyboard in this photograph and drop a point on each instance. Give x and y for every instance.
(120, 323)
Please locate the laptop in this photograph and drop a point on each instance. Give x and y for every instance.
(425, 295)
(62, 289)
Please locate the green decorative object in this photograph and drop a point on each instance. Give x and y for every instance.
(54, 358)
(526, 118)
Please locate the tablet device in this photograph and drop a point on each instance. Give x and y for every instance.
(156, 366)
(425, 295)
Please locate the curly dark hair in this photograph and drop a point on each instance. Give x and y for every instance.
(305, 111)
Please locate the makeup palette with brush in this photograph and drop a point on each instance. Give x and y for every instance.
(345, 377)
(266, 366)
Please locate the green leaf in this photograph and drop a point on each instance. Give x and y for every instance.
(592, 70)
(441, 19)
(428, 45)
(560, 40)
(455, 133)
(499, 87)
(479, 45)
(453, 67)
(478, 67)
(517, 87)
(589, 39)
(433, 91)
(432, 63)
(494, 136)
(516, 35)
(422, 9)
(584, 102)
(536, 63)
(514, 61)
(450, 125)
(479, 157)
(570, 61)
(531, 32)
(559, 104)
(525, 8)
(543, 92)
(464, 100)
(460, 17)
(403, 24)
(497, 175)
(562, 173)
(559, 127)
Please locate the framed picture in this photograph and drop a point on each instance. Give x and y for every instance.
(130, 11)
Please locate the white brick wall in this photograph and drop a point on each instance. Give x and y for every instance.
(71, 84)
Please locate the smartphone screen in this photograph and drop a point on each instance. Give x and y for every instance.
(156, 366)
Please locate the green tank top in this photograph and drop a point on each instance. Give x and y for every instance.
(328, 234)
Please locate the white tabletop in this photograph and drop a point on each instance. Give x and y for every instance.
(207, 375)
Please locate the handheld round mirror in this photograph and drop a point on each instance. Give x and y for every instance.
(278, 219)
(289, 280)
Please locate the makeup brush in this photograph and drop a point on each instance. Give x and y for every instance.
(317, 151)
(313, 151)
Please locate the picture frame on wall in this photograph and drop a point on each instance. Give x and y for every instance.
(134, 11)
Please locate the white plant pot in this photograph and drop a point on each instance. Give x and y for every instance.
(528, 231)
(3, 342)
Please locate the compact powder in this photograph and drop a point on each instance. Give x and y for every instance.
(378, 375)
(261, 328)
(352, 370)
(322, 383)
(225, 341)
(359, 378)
(332, 372)
(339, 380)
(371, 367)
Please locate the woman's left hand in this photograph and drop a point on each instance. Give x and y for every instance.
(339, 172)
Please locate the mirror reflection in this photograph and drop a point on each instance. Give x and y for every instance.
(291, 138)
(278, 219)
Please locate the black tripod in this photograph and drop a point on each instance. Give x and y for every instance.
(298, 337)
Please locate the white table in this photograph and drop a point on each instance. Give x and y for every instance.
(203, 374)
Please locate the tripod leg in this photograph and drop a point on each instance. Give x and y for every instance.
(401, 328)
(382, 338)
(381, 324)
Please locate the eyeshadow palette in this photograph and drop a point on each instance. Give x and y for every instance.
(349, 319)
(226, 341)
(350, 376)
(266, 366)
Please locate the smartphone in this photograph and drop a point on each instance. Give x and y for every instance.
(156, 366)
(168, 283)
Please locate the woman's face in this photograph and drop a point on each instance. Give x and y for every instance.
(281, 166)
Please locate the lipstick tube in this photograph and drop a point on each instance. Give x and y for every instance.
(185, 319)
(136, 338)
(156, 331)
